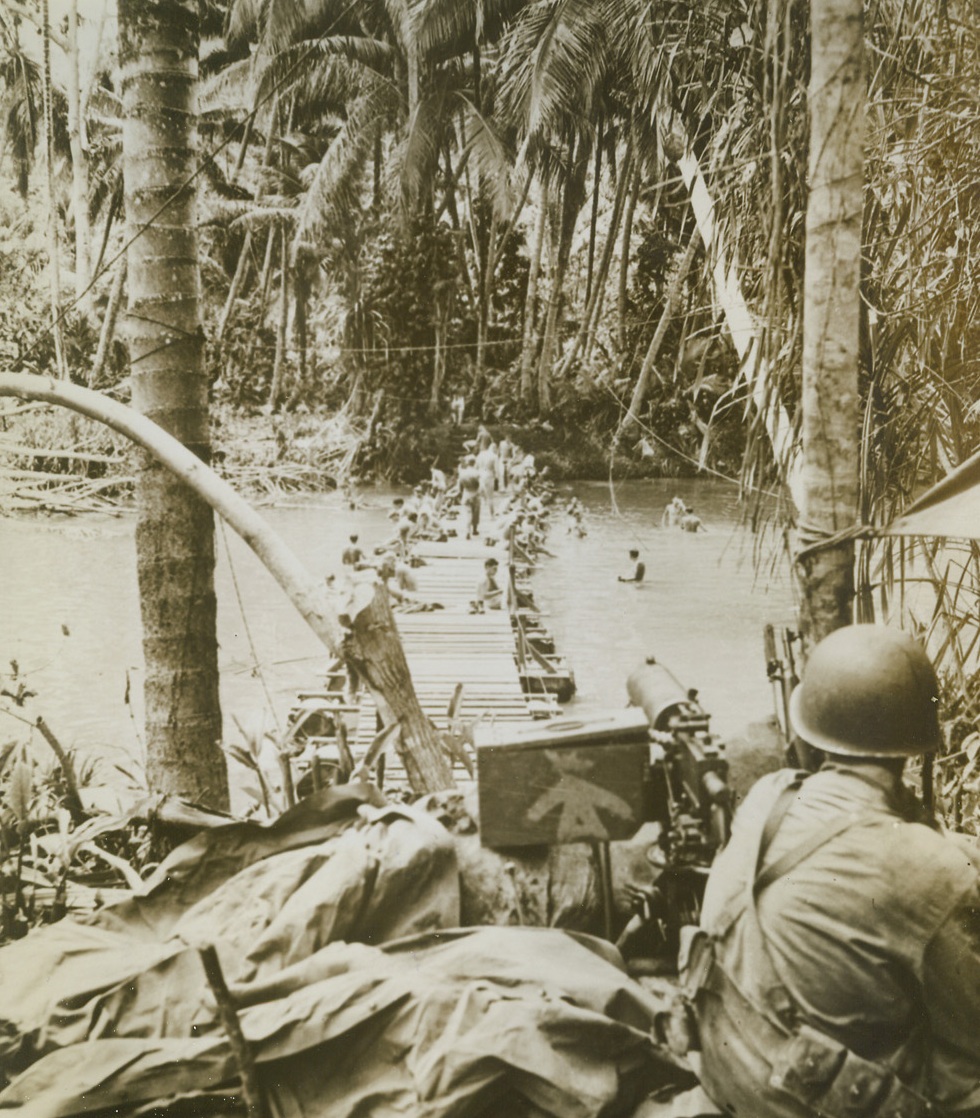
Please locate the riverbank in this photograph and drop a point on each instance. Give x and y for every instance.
(53, 461)
(316, 450)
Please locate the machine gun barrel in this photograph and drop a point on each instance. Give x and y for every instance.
(688, 776)
(687, 793)
(665, 702)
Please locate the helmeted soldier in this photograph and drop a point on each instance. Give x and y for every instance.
(836, 971)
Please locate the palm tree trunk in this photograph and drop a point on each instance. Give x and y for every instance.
(376, 172)
(593, 304)
(594, 216)
(670, 310)
(79, 163)
(549, 340)
(236, 283)
(54, 264)
(438, 368)
(624, 257)
(485, 299)
(572, 197)
(109, 323)
(301, 303)
(831, 307)
(158, 48)
(531, 302)
(279, 364)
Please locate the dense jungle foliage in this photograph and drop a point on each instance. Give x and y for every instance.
(404, 203)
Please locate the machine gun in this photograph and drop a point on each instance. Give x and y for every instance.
(687, 794)
(598, 779)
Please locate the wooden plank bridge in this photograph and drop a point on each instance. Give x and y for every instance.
(492, 668)
(453, 646)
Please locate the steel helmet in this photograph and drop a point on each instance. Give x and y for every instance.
(868, 691)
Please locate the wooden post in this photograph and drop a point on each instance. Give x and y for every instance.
(375, 649)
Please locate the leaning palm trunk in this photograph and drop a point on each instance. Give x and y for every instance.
(596, 286)
(236, 283)
(108, 331)
(831, 451)
(367, 636)
(158, 44)
(632, 416)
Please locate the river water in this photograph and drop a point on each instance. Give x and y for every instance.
(69, 611)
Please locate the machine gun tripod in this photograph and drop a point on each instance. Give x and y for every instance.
(687, 794)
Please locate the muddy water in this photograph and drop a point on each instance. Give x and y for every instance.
(69, 610)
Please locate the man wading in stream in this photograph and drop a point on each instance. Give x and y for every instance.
(836, 971)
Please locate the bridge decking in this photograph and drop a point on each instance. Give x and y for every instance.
(453, 646)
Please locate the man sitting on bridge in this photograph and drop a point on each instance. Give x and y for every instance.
(489, 592)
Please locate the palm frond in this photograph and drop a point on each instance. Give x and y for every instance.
(494, 161)
(567, 64)
(423, 141)
(448, 27)
(333, 191)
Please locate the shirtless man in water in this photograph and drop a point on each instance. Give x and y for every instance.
(639, 570)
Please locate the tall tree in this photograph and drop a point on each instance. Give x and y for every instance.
(79, 160)
(830, 402)
(158, 50)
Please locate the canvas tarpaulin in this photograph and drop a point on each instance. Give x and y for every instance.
(336, 932)
(951, 508)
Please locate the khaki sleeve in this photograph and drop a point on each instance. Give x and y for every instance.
(951, 978)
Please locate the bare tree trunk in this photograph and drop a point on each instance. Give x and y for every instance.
(54, 264)
(108, 330)
(572, 200)
(670, 310)
(594, 216)
(376, 172)
(236, 284)
(624, 258)
(301, 301)
(275, 391)
(158, 48)
(830, 402)
(79, 163)
(379, 654)
(593, 306)
(550, 329)
(485, 297)
(374, 648)
(531, 302)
